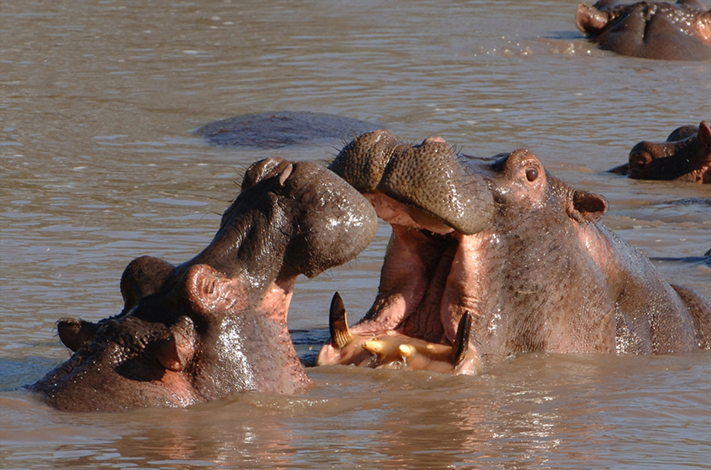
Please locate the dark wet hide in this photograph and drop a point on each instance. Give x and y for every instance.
(283, 128)
(691, 260)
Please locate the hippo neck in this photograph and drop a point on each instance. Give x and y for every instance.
(251, 247)
(252, 349)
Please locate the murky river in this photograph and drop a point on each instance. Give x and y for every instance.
(99, 165)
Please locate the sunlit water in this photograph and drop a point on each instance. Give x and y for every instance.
(99, 166)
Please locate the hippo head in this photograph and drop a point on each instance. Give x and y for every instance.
(651, 30)
(465, 264)
(685, 156)
(217, 323)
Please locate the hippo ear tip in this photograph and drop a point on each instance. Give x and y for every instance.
(587, 207)
(704, 131)
(73, 332)
(285, 173)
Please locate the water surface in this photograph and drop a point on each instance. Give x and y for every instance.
(99, 166)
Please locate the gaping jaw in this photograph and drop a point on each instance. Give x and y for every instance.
(428, 295)
(430, 286)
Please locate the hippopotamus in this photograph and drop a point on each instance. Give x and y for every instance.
(492, 257)
(282, 128)
(217, 324)
(685, 156)
(650, 30)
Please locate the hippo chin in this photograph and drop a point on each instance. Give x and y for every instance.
(493, 257)
(217, 324)
(650, 30)
(685, 156)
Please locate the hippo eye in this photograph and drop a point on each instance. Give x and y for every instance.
(531, 174)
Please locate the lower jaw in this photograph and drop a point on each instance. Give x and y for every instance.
(393, 350)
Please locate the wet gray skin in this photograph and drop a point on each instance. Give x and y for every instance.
(650, 30)
(525, 266)
(685, 156)
(282, 128)
(216, 324)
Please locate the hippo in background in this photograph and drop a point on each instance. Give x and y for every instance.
(649, 30)
(494, 257)
(217, 324)
(685, 156)
(279, 129)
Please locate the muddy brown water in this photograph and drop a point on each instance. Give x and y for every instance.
(97, 104)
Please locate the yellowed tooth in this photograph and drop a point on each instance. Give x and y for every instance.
(406, 350)
(374, 346)
(338, 323)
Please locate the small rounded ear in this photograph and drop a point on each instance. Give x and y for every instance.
(176, 350)
(589, 19)
(285, 173)
(704, 135)
(587, 207)
(264, 169)
(210, 292)
(75, 332)
(142, 277)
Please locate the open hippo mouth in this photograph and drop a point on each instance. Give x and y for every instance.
(217, 324)
(427, 298)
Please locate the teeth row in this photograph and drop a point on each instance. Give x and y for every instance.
(341, 336)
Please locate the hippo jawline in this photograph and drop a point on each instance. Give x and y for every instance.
(414, 322)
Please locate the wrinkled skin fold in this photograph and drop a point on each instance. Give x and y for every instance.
(523, 266)
(685, 156)
(216, 324)
(650, 30)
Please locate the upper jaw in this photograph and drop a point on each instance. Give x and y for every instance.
(413, 323)
(420, 318)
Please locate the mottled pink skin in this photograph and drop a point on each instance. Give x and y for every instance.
(217, 324)
(539, 275)
(651, 30)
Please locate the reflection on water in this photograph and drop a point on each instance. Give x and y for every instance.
(99, 166)
(539, 411)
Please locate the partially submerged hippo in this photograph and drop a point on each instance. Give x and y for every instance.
(217, 324)
(282, 128)
(650, 30)
(493, 257)
(685, 156)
